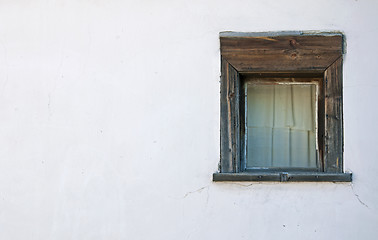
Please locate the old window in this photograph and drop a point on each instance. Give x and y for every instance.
(281, 107)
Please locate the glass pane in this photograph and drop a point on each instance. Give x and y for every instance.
(281, 125)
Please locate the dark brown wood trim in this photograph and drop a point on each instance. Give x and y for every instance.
(300, 56)
(230, 122)
(333, 139)
(298, 53)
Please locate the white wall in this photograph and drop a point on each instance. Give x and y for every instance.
(109, 123)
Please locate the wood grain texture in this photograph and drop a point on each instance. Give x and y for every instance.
(281, 53)
(333, 140)
(277, 58)
(321, 124)
(230, 119)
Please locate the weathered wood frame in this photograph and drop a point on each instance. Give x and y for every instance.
(282, 54)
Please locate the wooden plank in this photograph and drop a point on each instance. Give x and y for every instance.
(230, 120)
(220, 177)
(333, 140)
(301, 56)
(282, 61)
(284, 177)
(313, 43)
(280, 80)
(281, 53)
(236, 112)
(225, 119)
(297, 75)
(321, 124)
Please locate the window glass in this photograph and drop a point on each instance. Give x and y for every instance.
(281, 125)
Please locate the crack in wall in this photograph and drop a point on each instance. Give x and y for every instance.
(358, 197)
(196, 191)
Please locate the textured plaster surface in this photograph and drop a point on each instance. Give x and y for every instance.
(109, 123)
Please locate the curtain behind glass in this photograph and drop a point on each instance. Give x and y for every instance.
(281, 126)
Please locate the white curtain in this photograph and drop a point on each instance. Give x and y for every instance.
(281, 126)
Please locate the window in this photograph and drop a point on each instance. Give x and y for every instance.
(280, 125)
(281, 107)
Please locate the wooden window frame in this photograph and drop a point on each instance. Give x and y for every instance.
(282, 54)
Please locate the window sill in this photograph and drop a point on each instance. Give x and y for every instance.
(284, 177)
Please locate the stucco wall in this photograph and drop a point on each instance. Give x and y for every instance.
(109, 123)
